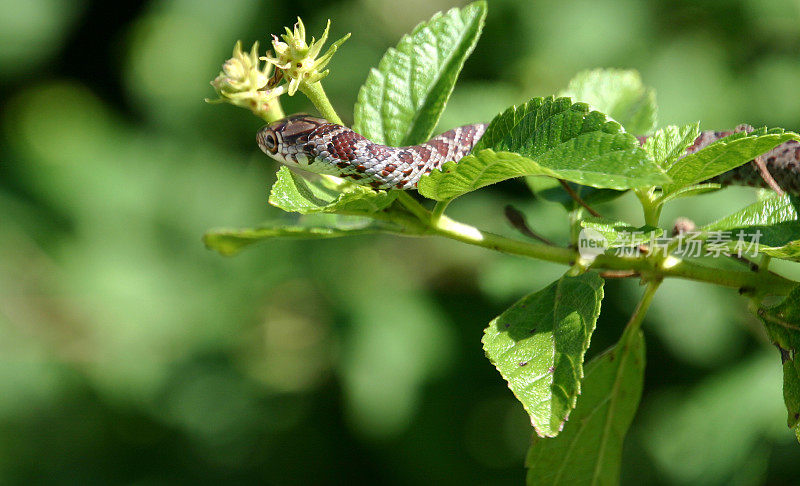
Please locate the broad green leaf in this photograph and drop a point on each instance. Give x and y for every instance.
(724, 155)
(538, 345)
(619, 233)
(668, 144)
(292, 192)
(402, 100)
(589, 450)
(232, 241)
(618, 93)
(783, 327)
(770, 224)
(555, 134)
(689, 191)
(477, 170)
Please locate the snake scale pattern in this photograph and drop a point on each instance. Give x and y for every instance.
(316, 145)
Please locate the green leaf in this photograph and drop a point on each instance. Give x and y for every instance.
(232, 241)
(783, 327)
(772, 223)
(477, 170)
(402, 100)
(689, 191)
(619, 233)
(292, 192)
(668, 144)
(538, 346)
(618, 93)
(555, 135)
(589, 450)
(723, 155)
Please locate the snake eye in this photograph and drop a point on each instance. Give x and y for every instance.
(270, 143)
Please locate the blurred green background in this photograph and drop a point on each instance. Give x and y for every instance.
(130, 354)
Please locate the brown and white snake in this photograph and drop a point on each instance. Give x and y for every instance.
(316, 145)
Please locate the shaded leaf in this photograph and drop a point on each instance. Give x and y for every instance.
(589, 450)
(292, 192)
(618, 93)
(538, 346)
(232, 241)
(782, 322)
(402, 100)
(723, 155)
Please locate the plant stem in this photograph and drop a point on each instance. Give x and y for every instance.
(574, 195)
(438, 210)
(274, 111)
(317, 95)
(465, 233)
(648, 269)
(413, 206)
(650, 206)
(641, 310)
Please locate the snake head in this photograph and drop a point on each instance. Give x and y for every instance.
(285, 139)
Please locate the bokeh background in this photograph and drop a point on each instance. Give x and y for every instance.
(130, 354)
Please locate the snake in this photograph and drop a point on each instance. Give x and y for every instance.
(316, 145)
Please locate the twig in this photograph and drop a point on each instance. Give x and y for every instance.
(620, 274)
(574, 195)
(762, 168)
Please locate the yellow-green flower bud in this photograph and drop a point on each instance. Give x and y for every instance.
(296, 60)
(243, 82)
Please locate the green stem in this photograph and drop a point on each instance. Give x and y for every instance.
(274, 111)
(316, 94)
(651, 207)
(764, 265)
(438, 210)
(414, 207)
(635, 323)
(648, 269)
(465, 233)
(575, 217)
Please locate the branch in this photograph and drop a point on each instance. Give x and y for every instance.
(648, 268)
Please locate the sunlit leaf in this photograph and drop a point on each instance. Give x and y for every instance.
(567, 139)
(292, 192)
(668, 144)
(589, 450)
(772, 223)
(619, 233)
(402, 100)
(618, 93)
(724, 155)
(689, 191)
(538, 346)
(477, 170)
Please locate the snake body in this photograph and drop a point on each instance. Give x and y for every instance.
(316, 145)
